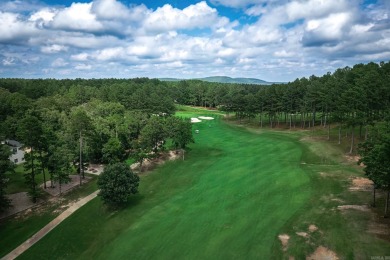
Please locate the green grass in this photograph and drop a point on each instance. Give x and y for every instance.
(234, 194)
(14, 231)
(17, 181)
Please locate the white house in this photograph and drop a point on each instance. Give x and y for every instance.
(18, 152)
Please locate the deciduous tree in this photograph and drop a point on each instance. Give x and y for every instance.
(116, 183)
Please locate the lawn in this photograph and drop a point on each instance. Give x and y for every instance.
(234, 194)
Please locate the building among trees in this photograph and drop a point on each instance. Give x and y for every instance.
(17, 150)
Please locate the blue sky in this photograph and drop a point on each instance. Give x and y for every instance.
(278, 40)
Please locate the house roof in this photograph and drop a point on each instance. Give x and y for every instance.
(13, 143)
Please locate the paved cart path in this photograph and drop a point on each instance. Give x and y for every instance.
(41, 233)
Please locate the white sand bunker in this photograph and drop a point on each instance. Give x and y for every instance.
(206, 117)
(195, 120)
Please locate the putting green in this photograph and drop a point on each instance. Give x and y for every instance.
(230, 198)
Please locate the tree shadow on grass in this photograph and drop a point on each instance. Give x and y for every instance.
(132, 202)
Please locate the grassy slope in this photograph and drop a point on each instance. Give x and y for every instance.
(230, 199)
(14, 231)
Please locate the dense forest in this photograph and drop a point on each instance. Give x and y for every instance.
(110, 120)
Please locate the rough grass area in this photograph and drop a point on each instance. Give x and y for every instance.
(15, 230)
(233, 196)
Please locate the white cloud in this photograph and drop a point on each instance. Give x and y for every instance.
(77, 17)
(167, 18)
(108, 38)
(14, 28)
(8, 61)
(55, 48)
(83, 40)
(43, 16)
(284, 54)
(83, 67)
(59, 62)
(315, 8)
(109, 9)
(327, 30)
(80, 57)
(20, 6)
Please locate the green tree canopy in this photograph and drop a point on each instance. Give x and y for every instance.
(116, 183)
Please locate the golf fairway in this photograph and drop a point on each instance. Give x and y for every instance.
(228, 199)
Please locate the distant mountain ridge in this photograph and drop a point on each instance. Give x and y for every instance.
(225, 79)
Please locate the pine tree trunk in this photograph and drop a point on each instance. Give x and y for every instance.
(81, 156)
(328, 132)
(387, 204)
(43, 171)
(366, 133)
(34, 197)
(314, 118)
(261, 120)
(352, 140)
(340, 134)
(325, 121)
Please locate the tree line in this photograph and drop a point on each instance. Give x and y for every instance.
(103, 121)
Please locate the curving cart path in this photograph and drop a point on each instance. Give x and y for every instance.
(41, 233)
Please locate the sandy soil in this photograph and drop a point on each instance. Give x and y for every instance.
(313, 228)
(322, 253)
(19, 201)
(356, 207)
(149, 165)
(284, 240)
(302, 234)
(75, 181)
(361, 184)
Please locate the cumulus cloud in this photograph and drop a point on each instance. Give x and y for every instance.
(326, 31)
(274, 40)
(54, 48)
(110, 9)
(59, 62)
(80, 57)
(14, 29)
(167, 18)
(83, 66)
(77, 17)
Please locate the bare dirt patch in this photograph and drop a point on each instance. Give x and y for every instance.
(313, 228)
(20, 202)
(356, 207)
(284, 240)
(361, 184)
(354, 159)
(378, 228)
(150, 164)
(302, 234)
(322, 253)
(74, 182)
(325, 174)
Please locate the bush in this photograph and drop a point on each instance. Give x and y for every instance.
(116, 183)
